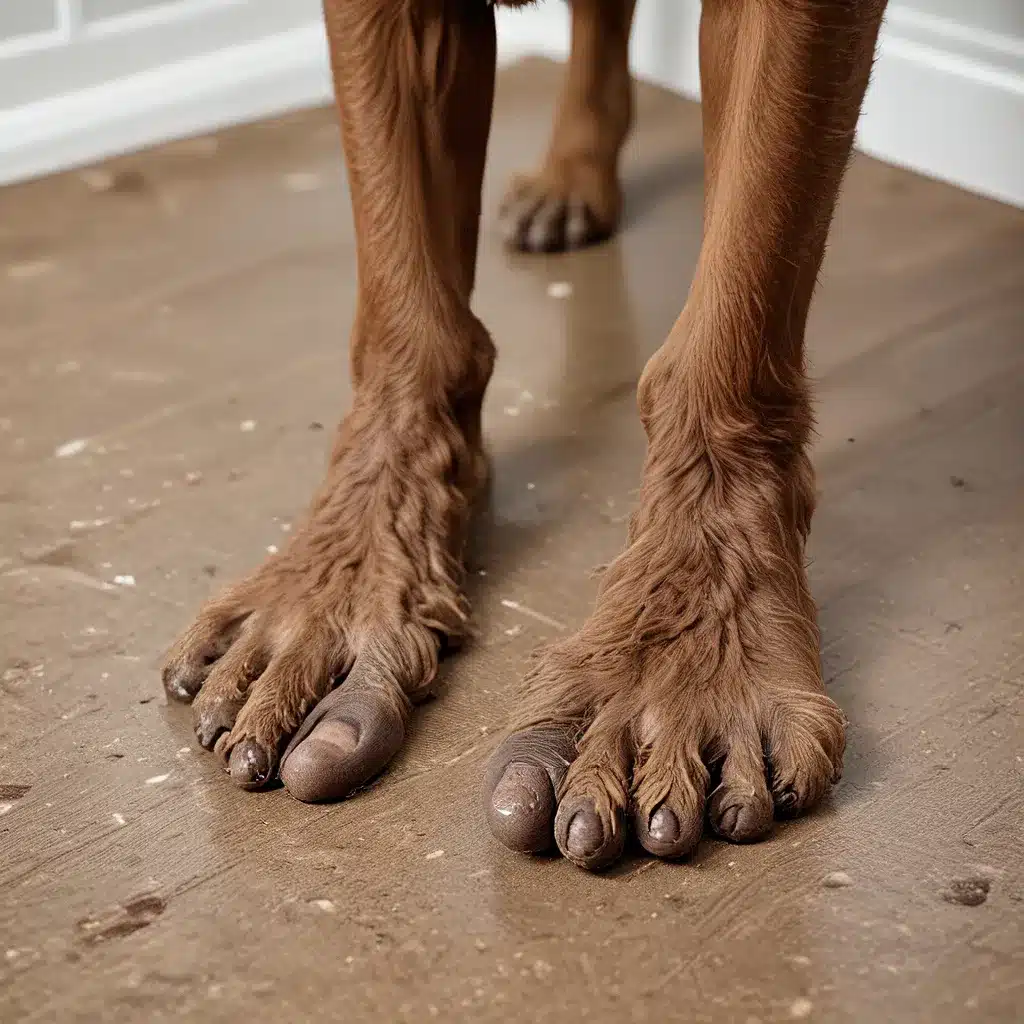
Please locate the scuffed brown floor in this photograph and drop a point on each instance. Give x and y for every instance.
(172, 330)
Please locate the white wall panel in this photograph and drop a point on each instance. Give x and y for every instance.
(947, 97)
(20, 18)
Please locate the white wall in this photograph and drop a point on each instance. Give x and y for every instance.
(82, 79)
(947, 94)
(1003, 17)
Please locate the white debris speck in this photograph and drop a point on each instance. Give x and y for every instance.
(4, 808)
(525, 396)
(434, 855)
(302, 181)
(517, 606)
(12, 954)
(271, 549)
(126, 473)
(26, 271)
(70, 448)
(155, 780)
(531, 487)
(125, 580)
(559, 290)
(514, 631)
(801, 961)
(800, 1008)
(837, 880)
(325, 905)
(247, 426)
(184, 751)
(286, 527)
(87, 524)
(511, 410)
(118, 818)
(193, 477)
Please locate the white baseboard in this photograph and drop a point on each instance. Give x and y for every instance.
(230, 86)
(945, 100)
(949, 102)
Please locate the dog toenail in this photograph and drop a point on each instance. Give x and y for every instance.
(664, 826)
(787, 802)
(585, 834)
(516, 792)
(727, 820)
(522, 807)
(208, 732)
(249, 764)
(340, 734)
(177, 689)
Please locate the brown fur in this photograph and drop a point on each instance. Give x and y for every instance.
(700, 660)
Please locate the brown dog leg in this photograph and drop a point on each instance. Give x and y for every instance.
(700, 661)
(370, 583)
(575, 198)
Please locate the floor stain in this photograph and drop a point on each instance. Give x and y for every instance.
(121, 921)
(968, 892)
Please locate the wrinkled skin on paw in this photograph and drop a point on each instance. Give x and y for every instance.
(694, 691)
(308, 668)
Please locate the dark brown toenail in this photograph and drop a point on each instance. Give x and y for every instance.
(667, 832)
(584, 835)
(740, 815)
(726, 821)
(522, 807)
(178, 686)
(786, 804)
(249, 765)
(208, 731)
(664, 826)
(743, 822)
(344, 742)
(213, 720)
(584, 838)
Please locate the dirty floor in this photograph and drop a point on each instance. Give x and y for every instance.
(172, 329)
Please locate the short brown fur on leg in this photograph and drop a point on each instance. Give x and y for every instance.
(575, 199)
(371, 581)
(702, 651)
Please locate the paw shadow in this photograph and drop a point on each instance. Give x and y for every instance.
(645, 186)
